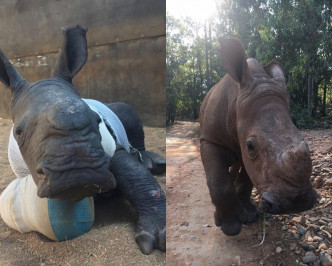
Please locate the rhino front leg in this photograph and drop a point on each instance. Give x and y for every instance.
(229, 214)
(140, 188)
(243, 188)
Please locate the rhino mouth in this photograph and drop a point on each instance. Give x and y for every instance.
(73, 165)
(274, 203)
(74, 181)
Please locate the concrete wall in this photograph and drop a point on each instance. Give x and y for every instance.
(126, 40)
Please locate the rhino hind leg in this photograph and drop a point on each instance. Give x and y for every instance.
(135, 133)
(138, 186)
(230, 213)
(244, 187)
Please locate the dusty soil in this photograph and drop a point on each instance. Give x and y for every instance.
(110, 241)
(193, 238)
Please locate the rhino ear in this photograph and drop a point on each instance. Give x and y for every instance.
(275, 70)
(9, 76)
(234, 60)
(73, 53)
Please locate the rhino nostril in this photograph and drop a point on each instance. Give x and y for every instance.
(267, 206)
(40, 170)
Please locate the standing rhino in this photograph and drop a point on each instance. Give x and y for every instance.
(248, 139)
(58, 136)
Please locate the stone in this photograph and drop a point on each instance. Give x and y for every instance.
(297, 251)
(312, 247)
(322, 246)
(312, 227)
(328, 182)
(300, 229)
(322, 222)
(278, 250)
(299, 219)
(318, 182)
(292, 246)
(304, 245)
(281, 244)
(309, 257)
(238, 260)
(325, 259)
(318, 238)
(310, 239)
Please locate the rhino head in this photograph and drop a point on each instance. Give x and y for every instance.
(274, 154)
(56, 131)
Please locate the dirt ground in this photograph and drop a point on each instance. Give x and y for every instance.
(110, 241)
(193, 238)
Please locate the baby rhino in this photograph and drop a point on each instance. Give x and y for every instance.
(248, 139)
(77, 148)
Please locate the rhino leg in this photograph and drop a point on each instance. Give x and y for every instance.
(135, 133)
(230, 213)
(142, 191)
(244, 187)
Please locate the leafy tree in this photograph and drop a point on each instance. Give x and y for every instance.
(296, 33)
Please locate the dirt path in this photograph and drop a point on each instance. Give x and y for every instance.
(110, 241)
(193, 238)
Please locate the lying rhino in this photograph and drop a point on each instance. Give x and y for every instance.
(248, 139)
(58, 136)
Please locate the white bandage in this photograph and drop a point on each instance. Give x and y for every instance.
(22, 210)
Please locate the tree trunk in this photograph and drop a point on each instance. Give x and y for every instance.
(207, 56)
(315, 99)
(310, 85)
(211, 57)
(194, 99)
(324, 101)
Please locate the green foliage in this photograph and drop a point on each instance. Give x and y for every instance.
(193, 66)
(301, 117)
(296, 33)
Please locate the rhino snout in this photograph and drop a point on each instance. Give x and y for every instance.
(74, 185)
(74, 180)
(275, 203)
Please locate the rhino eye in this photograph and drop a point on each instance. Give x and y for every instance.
(252, 147)
(20, 128)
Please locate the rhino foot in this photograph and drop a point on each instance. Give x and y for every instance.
(229, 223)
(155, 163)
(151, 234)
(252, 213)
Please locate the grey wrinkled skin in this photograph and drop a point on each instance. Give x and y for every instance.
(134, 130)
(58, 136)
(248, 139)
